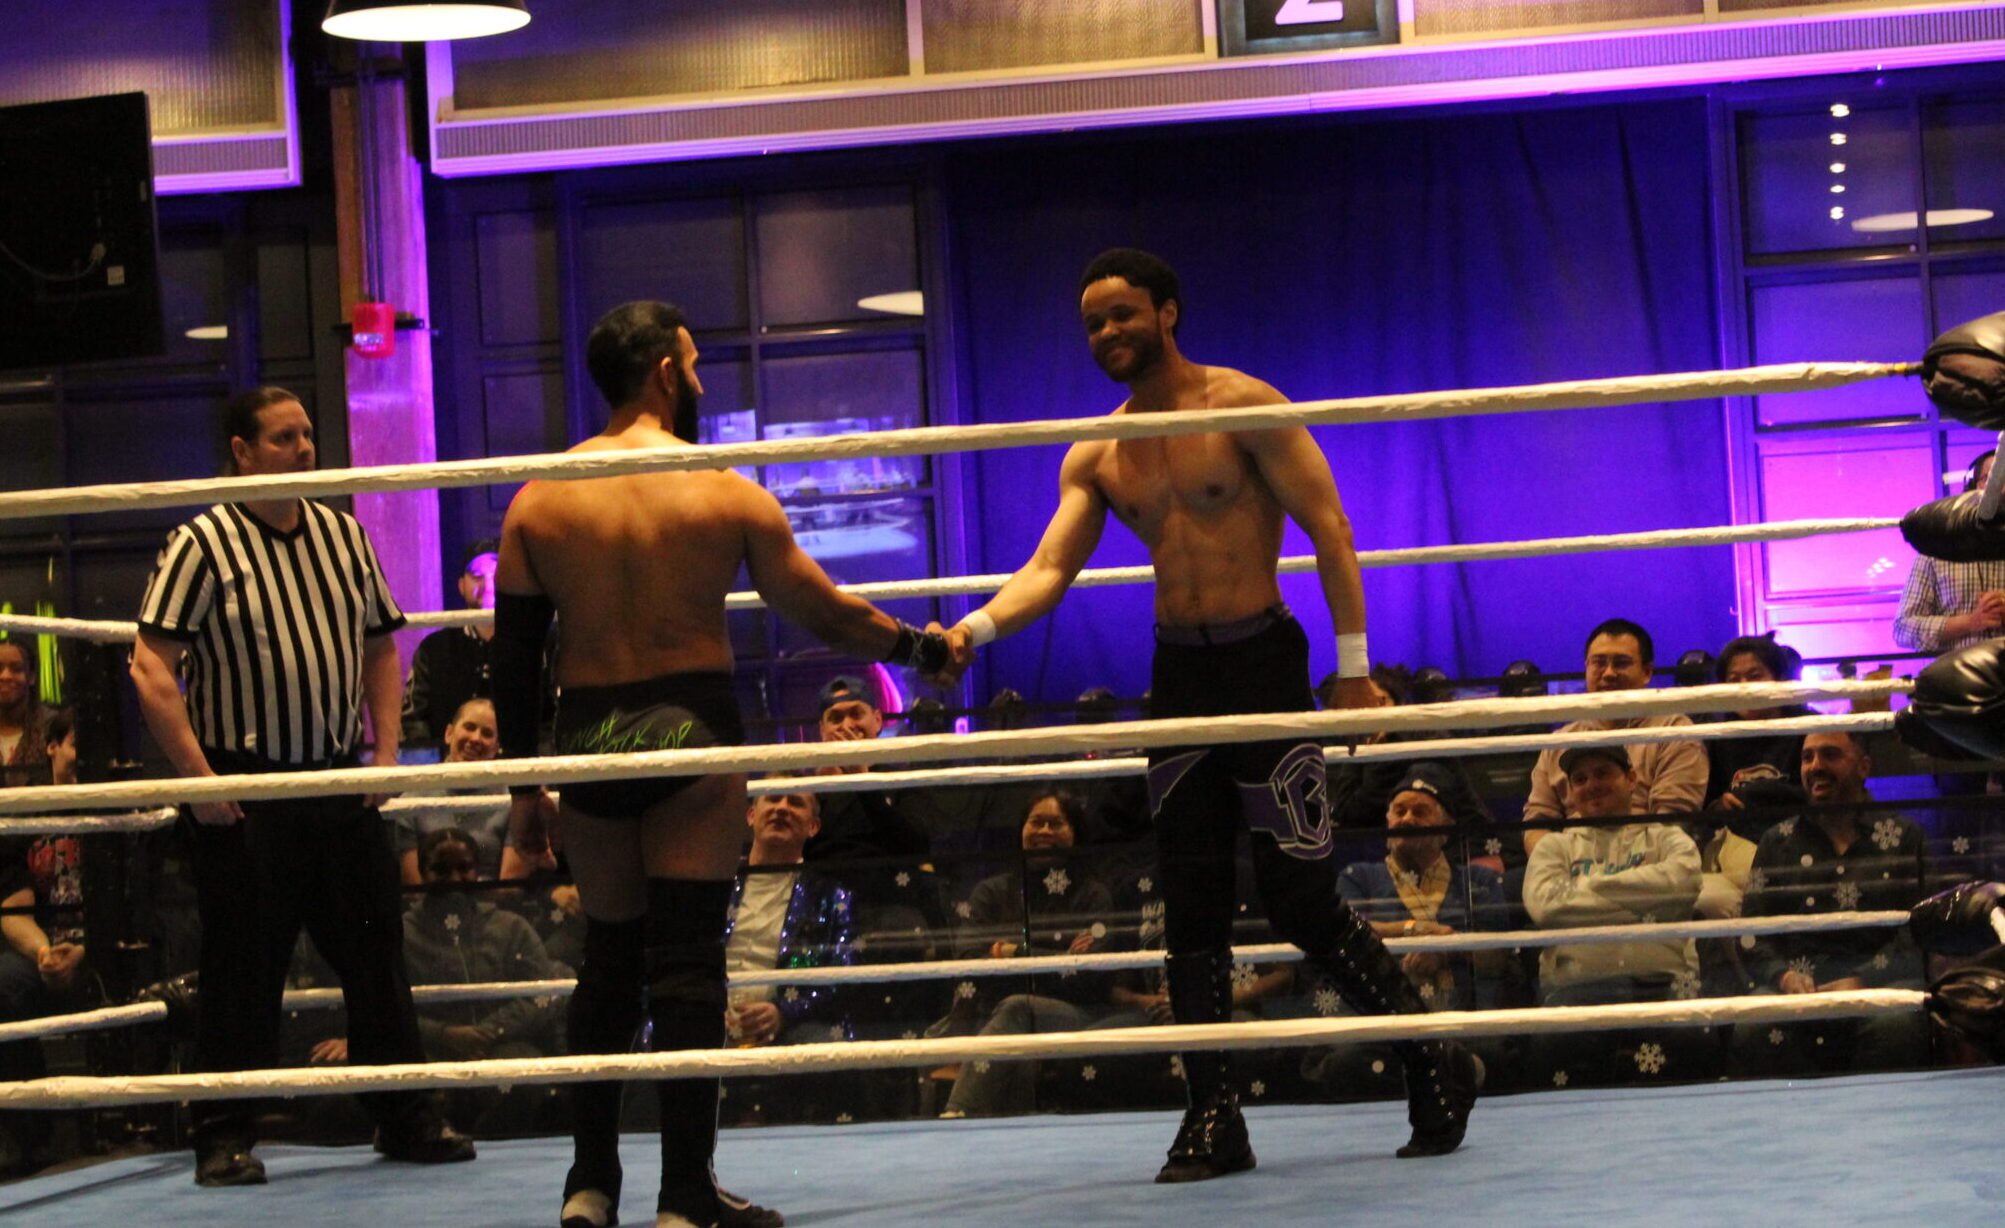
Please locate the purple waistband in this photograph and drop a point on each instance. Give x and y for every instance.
(1205, 635)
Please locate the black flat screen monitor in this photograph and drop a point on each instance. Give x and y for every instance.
(79, 257)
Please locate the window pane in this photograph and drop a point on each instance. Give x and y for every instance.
(1963, 148)
(861, 541)
(1878, 320)
(839, 394)
(517, 255)
(822, 253)
(727, 414)
(1839, 479)
(1962, 297)
(1822, 181)
(687, 252)
(194, 296)
(518, 409)
(28, 462)
(141, 441)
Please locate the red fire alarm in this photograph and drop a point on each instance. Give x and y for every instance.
(375, 329)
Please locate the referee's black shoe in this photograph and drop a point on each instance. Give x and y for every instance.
(228, 1164)
(427, 1140)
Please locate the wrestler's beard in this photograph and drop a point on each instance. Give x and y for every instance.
(1145, 353)
(685, 424)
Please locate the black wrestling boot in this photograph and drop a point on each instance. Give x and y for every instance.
(1212, 1141)
(685, 1001)
(1442, 1077)
(604, 1016)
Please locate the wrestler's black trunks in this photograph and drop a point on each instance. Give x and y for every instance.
(671, 712)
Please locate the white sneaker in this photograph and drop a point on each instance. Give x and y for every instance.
(588, 1209)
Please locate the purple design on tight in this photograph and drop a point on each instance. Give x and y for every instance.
(1164, 776)
(1293, 805)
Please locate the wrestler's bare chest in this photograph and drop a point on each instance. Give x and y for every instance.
(1151, 484)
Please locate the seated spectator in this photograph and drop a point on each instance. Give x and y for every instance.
(1835, 860)
(1745, 773)
(23, 737)
(786, 915)
(1418, 890)
(470, 738)
(454, 937)
(1047, 908)
(451, 664)
(1670, 777)
(1360, 792)
(1638, 872)
(1415, 891)
(867, 823)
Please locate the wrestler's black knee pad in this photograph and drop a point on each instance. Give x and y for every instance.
(685, 961)
(605, 1008)
(1197, 906)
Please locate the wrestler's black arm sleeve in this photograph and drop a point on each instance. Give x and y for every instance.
(521, 623)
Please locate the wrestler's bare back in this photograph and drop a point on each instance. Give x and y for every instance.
(1199, 503)
(638, 566)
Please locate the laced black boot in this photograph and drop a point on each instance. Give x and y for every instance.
(1442, 1077)
(1212, 1140)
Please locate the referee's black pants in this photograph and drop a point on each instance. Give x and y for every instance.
(324, 863)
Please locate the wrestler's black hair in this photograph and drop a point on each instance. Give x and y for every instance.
(1140, 269)
(240, 418)
(1784, 663)
(1622, 626)
(1977, 467)
(628, 344)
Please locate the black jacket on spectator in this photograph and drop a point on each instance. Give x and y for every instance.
(449, 668)
(1797, 871)
(1042, 917)
(1743, 758)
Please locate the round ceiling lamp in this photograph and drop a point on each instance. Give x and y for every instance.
(401, 21)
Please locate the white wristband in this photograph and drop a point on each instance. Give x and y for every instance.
(981, 627)
(1353, 659)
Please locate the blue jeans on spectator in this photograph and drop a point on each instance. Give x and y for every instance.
(987, 1088)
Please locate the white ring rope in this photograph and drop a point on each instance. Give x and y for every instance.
(1115, 735)
(104, 631)
(932, 440)
(1037, 965)
(1042, 773)
(932, 748)
(75, 1092)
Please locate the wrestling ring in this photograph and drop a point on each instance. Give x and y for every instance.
(1833, 1150)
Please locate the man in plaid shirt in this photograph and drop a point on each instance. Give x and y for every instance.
(1947, 606)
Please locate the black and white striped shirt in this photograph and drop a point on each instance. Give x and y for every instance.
(275, 623)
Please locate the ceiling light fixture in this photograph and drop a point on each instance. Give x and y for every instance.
(403, 21)
(1880, 223)
(900, 303)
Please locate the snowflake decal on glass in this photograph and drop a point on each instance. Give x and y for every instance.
(981, 1065)
(1258, 1087)
(1145, 884)
(1775, 1036)
(964, 910)
(1960, 845)
(909, 1034)
(1427, 991)
(1805, 965)
(793, 994)
(1243, 976)
(1787, 827)
(1327, 1001)
(1887, 834)
(1559, 1078)
(1881, 961)
(452, 922)
(1847, 895)
(1493, 847)
(556, 916)
(1650, 1058)
(1088, 1072)
(835, 1032)
(1757, 880)
(1057, 882)
(843, 1119)
(1685, 986)
(966, 989)
(902, 878)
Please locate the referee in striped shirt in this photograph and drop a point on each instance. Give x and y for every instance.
(279, 616)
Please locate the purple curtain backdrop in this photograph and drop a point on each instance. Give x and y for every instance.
(1339, 258)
